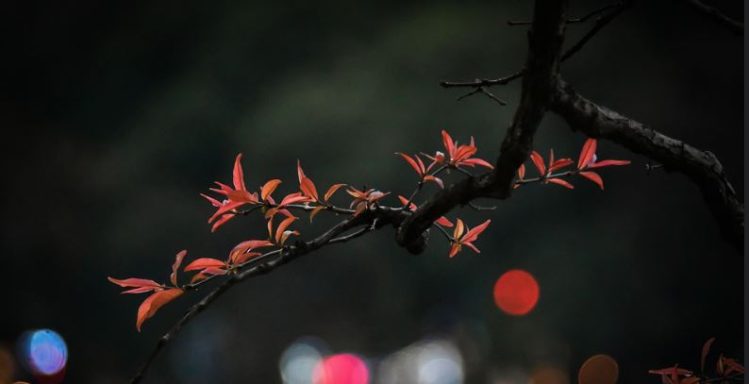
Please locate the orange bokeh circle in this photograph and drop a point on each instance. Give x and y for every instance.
(599, 369)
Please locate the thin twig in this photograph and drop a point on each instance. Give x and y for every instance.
(601, 22)
(582, 19)
(268, 262)
(481, 208)
(736, 27)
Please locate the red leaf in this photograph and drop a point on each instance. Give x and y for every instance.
(153, 303)
(134, 282)
(474, 233)
(242, 258)
(733, 366)
(268, 188)
(140, 290)
(594, 177)
(203, 263)
(587, 153)
(224, 209)
(521, 172)
(470, 245)
(412, 162)
(559, 164)
(606, 163)
(561, 182)
(447, 141)
(443, 221)
(671, 371)
(293, 198)
(454, 249)
(333, 188)
(175, 267)
(221, 221)
(705, 351)
(436, 180)
(477, 161)
(239, 174)
(211, 200)
(538, 161)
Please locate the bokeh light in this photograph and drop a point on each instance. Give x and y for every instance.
(598, 369)
(548, 375)
(44, 352)
(427, 362)
(7, 366)
(516, 292)
(299, 360)
(344, 368)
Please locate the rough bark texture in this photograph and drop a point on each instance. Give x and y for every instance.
(541, 70)
(702, 167)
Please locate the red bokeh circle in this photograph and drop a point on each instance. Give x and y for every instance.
(344, 368)
(516, 292)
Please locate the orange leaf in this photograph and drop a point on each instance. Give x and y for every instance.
(238, 174)
(594, 177)
(705, 351)
(315, 211)
(521, 172)
(282, 228)
(299, 171)
(587, 153)
(308, 188)
(538, 161)
(245, 247)
(333, 188)
(561, 182)
(153, 303)
(268, 188)
(203, 263)
(175, 267)
(459, 228)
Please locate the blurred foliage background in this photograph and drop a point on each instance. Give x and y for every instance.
(117, 114)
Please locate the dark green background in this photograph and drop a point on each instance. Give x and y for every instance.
(116, 114)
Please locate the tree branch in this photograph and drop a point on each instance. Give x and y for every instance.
(702, 167)
(541, 67)
(736, 27)
(480, 85)
(372, 220)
